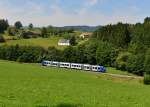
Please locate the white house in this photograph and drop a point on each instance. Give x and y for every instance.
(86, 35)
(64, 42)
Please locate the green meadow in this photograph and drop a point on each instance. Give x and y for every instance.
(43, 42)
(31, 85)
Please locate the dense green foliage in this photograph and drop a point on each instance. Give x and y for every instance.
(3, 25)
(147, 67)
(18, 25)
(119, 34)
(82, 54)
(72, 40)
(132, 43)
(30, 26)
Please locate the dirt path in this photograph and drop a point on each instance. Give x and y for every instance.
(124, 76)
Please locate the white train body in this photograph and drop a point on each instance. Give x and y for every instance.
(85, 67)
(95, 68)
(47, 63)
(76, 66)
(64, 65)
(54, 64)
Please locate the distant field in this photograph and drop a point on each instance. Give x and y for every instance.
(44, 42)
(30, 85)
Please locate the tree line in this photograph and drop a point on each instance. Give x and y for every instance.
(27, 32)
(133, 44)
(84, 53)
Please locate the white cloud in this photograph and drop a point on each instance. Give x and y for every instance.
(58, 17)
(92, 2)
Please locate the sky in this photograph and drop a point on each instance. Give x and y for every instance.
(74, 12)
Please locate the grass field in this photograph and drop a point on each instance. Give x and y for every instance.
(30, 85)
(44, 42)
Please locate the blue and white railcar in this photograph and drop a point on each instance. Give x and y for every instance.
(55, 64)
(76, 66)
(95, 68)
(64, 65)
(46, 63)
(102, 69)
(87, 67)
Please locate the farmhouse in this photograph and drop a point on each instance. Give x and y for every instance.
(64, 42)
(86, 35)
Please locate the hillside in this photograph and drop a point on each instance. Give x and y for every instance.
(29, 85)
(43, 42)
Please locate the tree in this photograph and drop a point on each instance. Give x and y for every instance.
(30, 26)
(147, 68)
(53, 54)
(90, 52)
(44, 32)
(69, 54)
(118, 34)
(135, 64)
(147, 20)
(18, 25)
(80, 54)
(147, 62)
(73, 40)
(121, 60)
(105, 54)
(3, 25)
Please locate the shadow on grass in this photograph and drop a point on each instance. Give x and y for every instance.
(61, 105)
(68, 105)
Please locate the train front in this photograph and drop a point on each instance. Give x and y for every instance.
(102, 69)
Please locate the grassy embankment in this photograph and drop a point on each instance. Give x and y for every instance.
(30, 85)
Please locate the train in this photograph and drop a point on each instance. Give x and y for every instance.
(78, 66)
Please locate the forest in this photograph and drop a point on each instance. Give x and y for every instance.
(123, 46)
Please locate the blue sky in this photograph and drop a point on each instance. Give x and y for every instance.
(74, 12)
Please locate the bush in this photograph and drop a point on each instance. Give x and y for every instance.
(121, 60)
(135, 64)
(147, 79)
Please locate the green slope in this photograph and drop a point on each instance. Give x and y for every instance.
(43, 42)
(30, 85)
